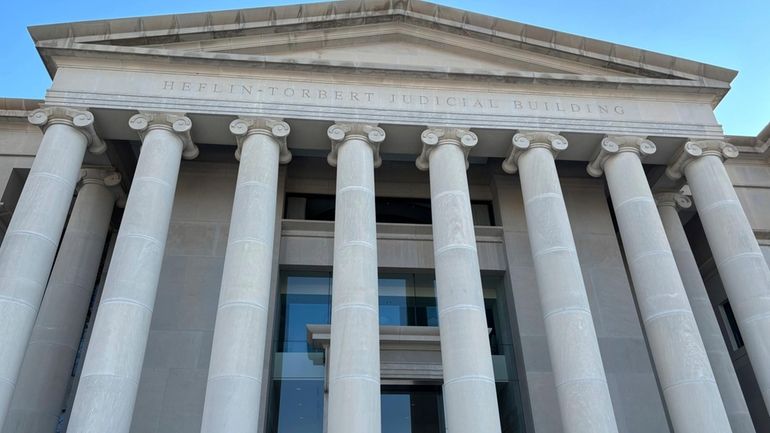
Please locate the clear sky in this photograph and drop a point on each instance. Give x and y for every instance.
(732, 34)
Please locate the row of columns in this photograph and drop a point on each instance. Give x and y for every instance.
(666, 282)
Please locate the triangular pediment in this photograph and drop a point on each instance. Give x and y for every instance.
(393, 46)
(404, 35)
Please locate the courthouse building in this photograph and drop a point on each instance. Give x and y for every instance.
(381, 216)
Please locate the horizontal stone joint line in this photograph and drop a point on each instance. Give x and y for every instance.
(601, 379)
(470, 378)
(459, 307)
(155, 180)
(754, 318)
(459, 192)
(356, 377)
(364, 244)
(651, 253)
(354, 306)
(10, 300)
(664, 314)
(638, 199)
(231, 304)
(551, 250)
(450, 247)
(251, 183)
(216, 377)
(545, 195)
(355, 188)
(53, 177)
(719, 204)
(248, 240)
(32, 234)
(84, 375)
(687, 382)
(139, 236)
(560, 311)
(735, 257)
(125, 301)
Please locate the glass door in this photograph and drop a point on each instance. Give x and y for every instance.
(412, 409)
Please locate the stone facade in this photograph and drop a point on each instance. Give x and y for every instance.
(377, 216)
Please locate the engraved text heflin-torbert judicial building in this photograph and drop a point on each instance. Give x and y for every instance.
(377, 216)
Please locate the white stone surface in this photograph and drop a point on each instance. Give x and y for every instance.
(234, 388)
(721, 362)
(30, 243)
(45, 374)
(470, 398)
(354, 353)
(740, 262)
(683, 368)
(581, 384)
(107, 390)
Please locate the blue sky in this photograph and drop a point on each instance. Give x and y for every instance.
(728, 34)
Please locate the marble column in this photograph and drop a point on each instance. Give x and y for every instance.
(104, 401)
(234, 387)
(354, 352)
(721, 363)
(470, 398)
(683, 368)
(45, 374)
(30, 243)
(741, 266)
(581, 385)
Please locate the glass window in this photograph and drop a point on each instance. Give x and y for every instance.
(395, 295)
(305, 299)
(399, 210)
(300, 406)
(297, 396)
(412, 409)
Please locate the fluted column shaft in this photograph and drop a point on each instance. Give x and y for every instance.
(354, 352)
(683, 368)
(721, 363)
(50, 355)
(106, 393)
(740, 262)
(33, 235)
(470, 398)
(234, 386)
(581, 385)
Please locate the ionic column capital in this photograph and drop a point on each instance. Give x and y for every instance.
(339, 133)
(616, 144)
(106, 177)
(674, 199)
(433, 137)
(178, 124)
(80, 119)
(526, 140)
(277, 129)
(697, 148)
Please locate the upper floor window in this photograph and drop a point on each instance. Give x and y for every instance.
(319, 207)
